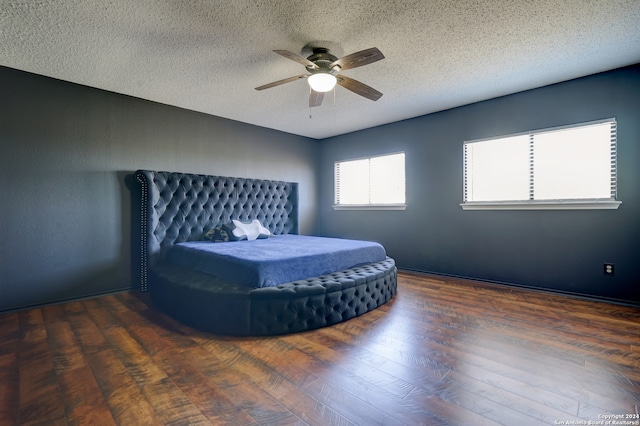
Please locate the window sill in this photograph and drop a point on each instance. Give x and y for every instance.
(544, 205)
(370, 207)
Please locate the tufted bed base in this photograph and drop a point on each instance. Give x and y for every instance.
(174, 209)
(211, 304)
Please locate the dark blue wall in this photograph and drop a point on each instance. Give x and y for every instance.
(559, 250)
(65, 154)
(66, 212)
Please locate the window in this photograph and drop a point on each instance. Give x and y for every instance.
(370, 183)
(570, 167)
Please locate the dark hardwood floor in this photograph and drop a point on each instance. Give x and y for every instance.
(443, 351)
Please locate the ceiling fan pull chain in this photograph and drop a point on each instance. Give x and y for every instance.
(334, 106)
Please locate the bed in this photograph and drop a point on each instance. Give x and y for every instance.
(216, 254)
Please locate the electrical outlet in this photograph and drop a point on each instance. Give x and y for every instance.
(609, 269)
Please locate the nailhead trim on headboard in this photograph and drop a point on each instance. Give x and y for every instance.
(178, 207)
(143, 232)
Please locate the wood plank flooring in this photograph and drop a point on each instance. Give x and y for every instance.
(443, 351)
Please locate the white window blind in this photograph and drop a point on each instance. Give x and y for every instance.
(574, 166)
(374, 182)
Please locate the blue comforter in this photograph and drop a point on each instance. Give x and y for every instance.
(276, 260)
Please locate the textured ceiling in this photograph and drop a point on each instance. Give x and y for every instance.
(209, 56)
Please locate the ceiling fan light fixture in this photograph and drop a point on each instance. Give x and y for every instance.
(322, 82)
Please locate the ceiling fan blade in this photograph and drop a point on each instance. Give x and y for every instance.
(315, 98)
(279, 82)
(299, 59)
(358, 88)
(358, 59)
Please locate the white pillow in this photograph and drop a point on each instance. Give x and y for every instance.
(251, 230)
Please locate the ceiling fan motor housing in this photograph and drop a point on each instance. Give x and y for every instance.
(323, 59)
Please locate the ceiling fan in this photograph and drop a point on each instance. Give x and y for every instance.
(324, 72)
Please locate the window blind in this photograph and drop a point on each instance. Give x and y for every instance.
(370, 181)
(576, 162)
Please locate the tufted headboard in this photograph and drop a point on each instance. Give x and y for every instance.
(177, 207)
